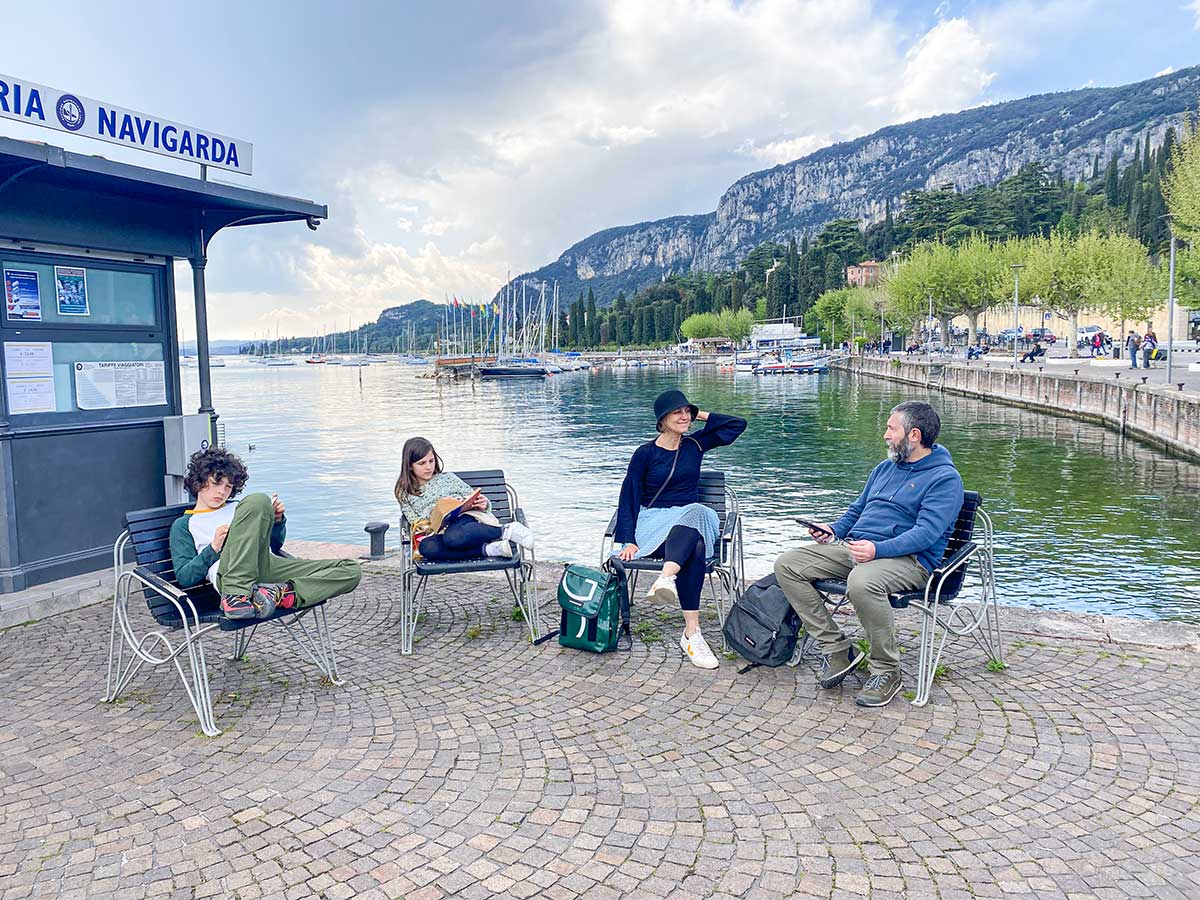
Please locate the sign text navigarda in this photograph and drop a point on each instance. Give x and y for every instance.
(49, 107)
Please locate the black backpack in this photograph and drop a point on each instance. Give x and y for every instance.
(762, 626)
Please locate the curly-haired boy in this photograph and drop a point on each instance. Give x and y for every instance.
(233, 544)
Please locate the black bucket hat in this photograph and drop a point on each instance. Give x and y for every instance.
(668, 401)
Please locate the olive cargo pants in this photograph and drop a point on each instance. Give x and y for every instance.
(247, 560)
(867, 588)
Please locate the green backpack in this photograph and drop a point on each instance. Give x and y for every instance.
(595, 607)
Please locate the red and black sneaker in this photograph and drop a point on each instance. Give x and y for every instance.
(237, 606)
(287, 596)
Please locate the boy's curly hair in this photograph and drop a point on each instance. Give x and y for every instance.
(215, 462)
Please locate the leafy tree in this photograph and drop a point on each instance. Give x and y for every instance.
(701, 325)
(1183, 184)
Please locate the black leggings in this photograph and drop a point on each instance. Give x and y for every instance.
(462, 539)
(684, 546)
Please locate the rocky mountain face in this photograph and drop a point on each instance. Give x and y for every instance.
(1066, 131)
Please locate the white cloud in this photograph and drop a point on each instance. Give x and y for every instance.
(945, 70)
(1169, 69)
(652, 112)
(1194, 8)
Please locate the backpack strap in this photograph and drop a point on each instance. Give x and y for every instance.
(617, 567)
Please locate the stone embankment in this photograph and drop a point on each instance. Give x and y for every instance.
(1161, 415)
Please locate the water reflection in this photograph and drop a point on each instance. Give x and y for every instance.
(1085, 519)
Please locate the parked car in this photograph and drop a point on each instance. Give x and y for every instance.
(1083, 337)
(1045, 335)
(1007, 336)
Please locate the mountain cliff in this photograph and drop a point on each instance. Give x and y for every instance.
(1065, 131)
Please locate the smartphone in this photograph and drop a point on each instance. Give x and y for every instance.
(815, 527)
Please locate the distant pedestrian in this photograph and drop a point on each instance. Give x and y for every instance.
(1097, 344)
(1132, 344)
(1149, 345)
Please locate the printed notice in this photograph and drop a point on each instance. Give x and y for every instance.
(70, 287)
(29, 376)
(107, 385)
(30, 395)
(28, 359)
(22, 300)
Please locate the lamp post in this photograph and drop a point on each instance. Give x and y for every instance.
(1171, 307)
(1016, 267)
(929, 332)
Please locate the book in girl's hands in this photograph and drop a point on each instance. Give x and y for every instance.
(461, 508)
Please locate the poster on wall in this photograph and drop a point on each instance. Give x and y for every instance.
(29, 377)
(109, 385)
(22, 299)
(70, 286)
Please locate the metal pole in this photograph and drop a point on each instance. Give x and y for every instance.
(1016, 306)
(1171, 311)
(198, 263)
(929, 332)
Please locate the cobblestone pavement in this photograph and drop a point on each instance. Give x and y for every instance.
(481, 766)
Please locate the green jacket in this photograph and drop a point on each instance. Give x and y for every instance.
(191, 567)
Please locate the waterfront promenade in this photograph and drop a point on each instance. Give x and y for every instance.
(484, 767)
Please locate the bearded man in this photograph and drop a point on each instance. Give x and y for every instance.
(889, 540)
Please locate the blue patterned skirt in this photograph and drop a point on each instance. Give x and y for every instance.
(653, 525)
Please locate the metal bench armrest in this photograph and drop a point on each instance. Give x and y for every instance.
(164, 588)
(949, 565)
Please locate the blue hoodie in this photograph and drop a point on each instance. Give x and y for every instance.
(907, 508)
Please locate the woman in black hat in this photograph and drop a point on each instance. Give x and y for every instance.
(660, 514)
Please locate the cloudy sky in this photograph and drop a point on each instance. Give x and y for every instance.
(454, 142)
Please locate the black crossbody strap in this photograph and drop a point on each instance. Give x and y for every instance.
(674, 462)
(618, 569)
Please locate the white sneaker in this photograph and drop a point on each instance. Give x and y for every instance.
(663, 590)
(515, 531)
(697, 651)
(498, 548)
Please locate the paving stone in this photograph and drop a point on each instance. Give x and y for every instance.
(481, 766)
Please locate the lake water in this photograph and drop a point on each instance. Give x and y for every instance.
(1085, 520)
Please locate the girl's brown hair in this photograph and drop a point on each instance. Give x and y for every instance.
(415, 448)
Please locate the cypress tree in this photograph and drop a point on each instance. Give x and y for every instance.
(593, 321)
(1146, 153)
(1112, 182)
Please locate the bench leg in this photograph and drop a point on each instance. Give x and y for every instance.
(123, 667)
(241, 641)
(523, 585)
(413, 593)
(315, 643)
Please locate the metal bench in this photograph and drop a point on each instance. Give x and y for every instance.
(943, 613)
(728, 566)
(184, 617)
(519, 570)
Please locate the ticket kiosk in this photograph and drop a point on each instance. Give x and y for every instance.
(88, 350)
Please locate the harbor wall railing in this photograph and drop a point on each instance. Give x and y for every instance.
(1162, 416)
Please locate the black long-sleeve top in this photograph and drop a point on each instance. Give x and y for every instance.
(650, 465)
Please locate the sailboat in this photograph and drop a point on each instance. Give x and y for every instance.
(316, 358)
(525, 365)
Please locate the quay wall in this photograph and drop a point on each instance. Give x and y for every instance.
(1161, 416)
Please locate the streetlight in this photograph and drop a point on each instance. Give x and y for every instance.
(929, 333)
(1016, 267)
(1170, 299)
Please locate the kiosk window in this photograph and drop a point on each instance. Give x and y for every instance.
(78, 293)
(67, 377)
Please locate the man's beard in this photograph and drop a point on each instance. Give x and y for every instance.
(900, 452)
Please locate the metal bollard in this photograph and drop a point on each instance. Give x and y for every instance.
(378, 532)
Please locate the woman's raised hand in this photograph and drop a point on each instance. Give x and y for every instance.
(628, 552)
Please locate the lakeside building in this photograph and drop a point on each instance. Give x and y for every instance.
(864, 274)
(781, 336)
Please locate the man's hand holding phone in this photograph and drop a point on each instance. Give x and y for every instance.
(818, 531)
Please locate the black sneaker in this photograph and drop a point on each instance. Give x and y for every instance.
(879, 690)
(265, 598)
(836, 666)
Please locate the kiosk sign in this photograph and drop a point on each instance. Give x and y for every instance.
(49, 107)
